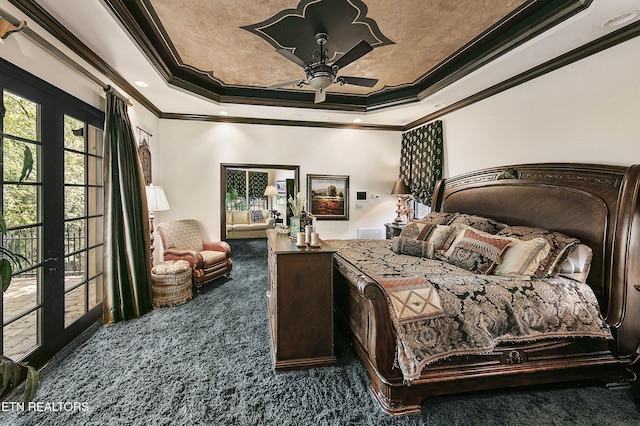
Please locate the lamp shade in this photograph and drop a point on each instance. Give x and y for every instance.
(399, 188)
(270, 191)
(156, 200)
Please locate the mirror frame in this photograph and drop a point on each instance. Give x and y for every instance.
(223, 186)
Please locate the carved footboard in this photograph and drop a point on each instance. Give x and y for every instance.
(361, 303)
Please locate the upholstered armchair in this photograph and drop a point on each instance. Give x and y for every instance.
(182, 240)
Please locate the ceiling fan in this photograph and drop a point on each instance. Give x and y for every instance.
(321, 75)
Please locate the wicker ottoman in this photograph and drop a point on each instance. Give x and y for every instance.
(171, 283)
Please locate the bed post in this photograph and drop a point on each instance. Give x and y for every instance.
(436, 199)
(624, 304)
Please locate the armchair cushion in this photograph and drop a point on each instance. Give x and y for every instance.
(184, 234)
(212, 257)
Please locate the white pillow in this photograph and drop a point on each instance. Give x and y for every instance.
(522, 258)
(578, 263)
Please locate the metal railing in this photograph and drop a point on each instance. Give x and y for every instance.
(25, 242)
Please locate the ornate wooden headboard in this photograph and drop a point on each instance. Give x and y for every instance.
(596, 203)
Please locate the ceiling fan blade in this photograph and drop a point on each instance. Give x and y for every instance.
(356, 52)
(293, 58)
(359, 81)
(298, 83)
(321, 95)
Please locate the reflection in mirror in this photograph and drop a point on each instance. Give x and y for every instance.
(253, 198)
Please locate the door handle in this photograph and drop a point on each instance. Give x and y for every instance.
(51, 260)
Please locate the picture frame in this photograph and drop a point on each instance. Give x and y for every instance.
(281, 186)
(328, 196)
(145, 161)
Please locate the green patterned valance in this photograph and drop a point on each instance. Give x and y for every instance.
(422, 160)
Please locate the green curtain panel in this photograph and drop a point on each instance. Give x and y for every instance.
(422, 160)
(126, 230)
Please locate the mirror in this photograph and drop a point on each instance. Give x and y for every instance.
(245, 212)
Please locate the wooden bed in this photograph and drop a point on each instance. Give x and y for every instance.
(597, 204)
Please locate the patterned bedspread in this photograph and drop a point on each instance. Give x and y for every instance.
(470, 313)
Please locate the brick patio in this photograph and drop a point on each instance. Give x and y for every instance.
(21, 336)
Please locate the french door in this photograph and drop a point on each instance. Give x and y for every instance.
(53, 215)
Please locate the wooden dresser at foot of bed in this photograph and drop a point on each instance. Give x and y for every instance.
(300, 303)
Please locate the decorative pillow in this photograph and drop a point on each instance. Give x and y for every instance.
(476, 252)
(257, 216)
(412, 247)
(522, 258)
(478, 222)
(560, 246)
(577, 264)
(416, 229)
(441, 236)
(439, 218)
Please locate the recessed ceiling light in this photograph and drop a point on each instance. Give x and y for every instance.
(357, 120)
(141, 83)
(224, 113)
(621, 19)
(438, 106)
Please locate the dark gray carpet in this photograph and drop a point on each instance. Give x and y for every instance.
(208, 363)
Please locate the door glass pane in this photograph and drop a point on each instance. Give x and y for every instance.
(74, 236)
(95, 291)
(22, 295)
(73, 134)
(21, 116)
(14, 153)
(21, 336)
(74, 168)
(74, 202)
(96, 199)
(95, 142)
(94, 231)
(95, 262)
(20, 204)
(74, 304)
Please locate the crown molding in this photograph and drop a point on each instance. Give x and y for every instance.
(51, 25)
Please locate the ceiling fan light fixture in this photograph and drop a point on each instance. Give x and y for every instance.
(320, 81)
(321, 75)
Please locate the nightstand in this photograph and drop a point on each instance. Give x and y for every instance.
(393, 229)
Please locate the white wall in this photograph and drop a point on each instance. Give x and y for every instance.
(187, 164)
(587, 112)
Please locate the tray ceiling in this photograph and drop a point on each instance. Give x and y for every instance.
(226, 50)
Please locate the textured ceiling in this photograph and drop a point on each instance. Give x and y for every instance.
(226, 50)
(209, 37)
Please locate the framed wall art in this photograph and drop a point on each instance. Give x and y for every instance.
(145, 155)
(328, 196)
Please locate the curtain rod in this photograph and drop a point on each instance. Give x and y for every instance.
(110, 89)
(57, 53)
(144, 131)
